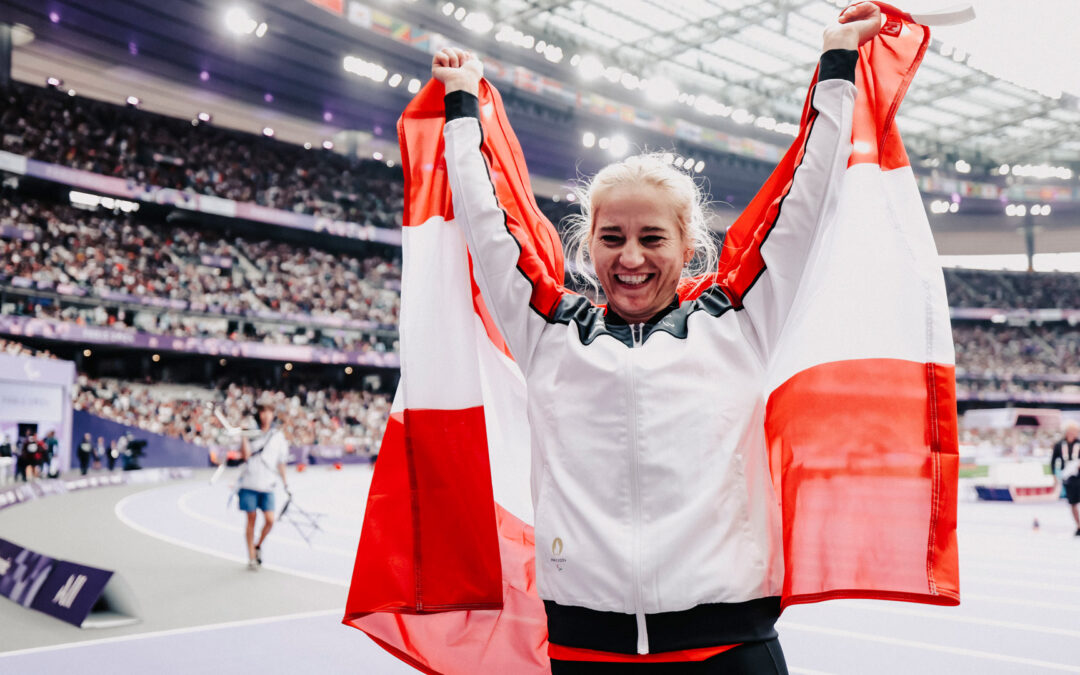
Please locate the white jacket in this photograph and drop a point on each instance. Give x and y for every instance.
(651, 486)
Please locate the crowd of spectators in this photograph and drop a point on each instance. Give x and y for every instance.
(308, 415)
(50, 126)
(1012, 290)
(102, 253)
(1047, 349)
(1012, 442)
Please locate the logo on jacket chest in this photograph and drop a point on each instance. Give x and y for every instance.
(557, 558)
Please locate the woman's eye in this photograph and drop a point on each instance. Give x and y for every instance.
(610, 239)
(652, 239)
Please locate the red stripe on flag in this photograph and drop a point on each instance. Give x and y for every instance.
(433, 482)
(861, 485)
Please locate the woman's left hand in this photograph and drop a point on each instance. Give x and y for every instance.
(857, 24)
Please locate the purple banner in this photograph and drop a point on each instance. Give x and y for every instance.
(220, 261)
(181, 305)
(15, 232)
(70, 591)
(72, 332)
(24, 572)
(127, 188)
(44, 488)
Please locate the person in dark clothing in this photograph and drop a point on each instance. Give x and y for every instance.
(51, 446)
(1065, 464)
(86, 451)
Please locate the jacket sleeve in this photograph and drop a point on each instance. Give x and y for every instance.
(495, 252)
(810, 200)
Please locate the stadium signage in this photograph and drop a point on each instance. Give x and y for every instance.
(60, 588)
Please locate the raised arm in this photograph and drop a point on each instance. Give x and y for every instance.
(506, 289)
(811, 197)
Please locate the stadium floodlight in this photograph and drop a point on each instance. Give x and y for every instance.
(414, 85)
(390, 163)
(1004, 169)
(1046, 210)
(261, 30)
(553, 53)
(54, 82)
(54, 17)
(155, 358)
(1010, 210)
(268, 132)
(307, 146)
(954, 207)
(630, 81)
(288, 366)
(766, 123)
(478, 22)
(1021, 210)
(700, 166)
(133, 101)
(86, 353)
(619, 146)
(348, 370)
(575, 60)
(328, 145)
(528, 41)
(612, 74)
(71, 92)
(377, 155)
(571, 197)
(238, 21)
(448, 9)
(604, 143)
(741, 116)
(590, 67)
(460, 13)
(962, 166)
(668, 158)
(205, 117)
(588, 139)
(660, 90)
(204, 76)
(394, 80)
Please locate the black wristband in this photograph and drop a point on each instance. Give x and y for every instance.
(461, 103)
(838, 64)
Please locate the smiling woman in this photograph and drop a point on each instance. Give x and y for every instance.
(641, 217)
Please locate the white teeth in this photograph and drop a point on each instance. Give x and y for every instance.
(632, 278)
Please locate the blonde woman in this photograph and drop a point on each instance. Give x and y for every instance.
(650, 474)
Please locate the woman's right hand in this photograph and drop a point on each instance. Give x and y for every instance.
(458, 70)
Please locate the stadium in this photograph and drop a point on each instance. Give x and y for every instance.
(217, 248)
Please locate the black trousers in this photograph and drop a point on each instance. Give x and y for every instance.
(752, 658)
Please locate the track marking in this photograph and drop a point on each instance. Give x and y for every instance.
(959, 651)
(174, 631)
(1027, 603)
(119, 510)
(1023, 584)
(286, 539)
(941, 616)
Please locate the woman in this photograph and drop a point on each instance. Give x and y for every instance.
(657, 531)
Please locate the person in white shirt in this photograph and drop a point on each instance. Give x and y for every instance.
(265, 457)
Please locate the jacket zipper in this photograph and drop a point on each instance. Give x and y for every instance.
(637, 338)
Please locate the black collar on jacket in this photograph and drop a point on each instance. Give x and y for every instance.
(613, 319)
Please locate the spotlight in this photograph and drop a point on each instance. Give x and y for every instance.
(478, 22)
(414, 85)
(1010, 210)
(268, 97)
(71, 92)
(619, 146)
(699, 167)
(328, 145)
(459, 13)
(307, 146)
(86, 353)
(1004, 169)
(394, 80)
(239, 22)
(205, 117)
(954, 207)
(222, 362)
(604, 143)
(268, 132)
(54, 17)
(962, 166)
(590, 67)
(448, 9)
(588, 139)
(133, 101)
(328, 116)
(54, 82)
(155, 358)
(390, 163)
(288, 366)
(377, 155)
(1021, 210)
(661, 90)
(348, 370)
(204, 75)
(261, 30)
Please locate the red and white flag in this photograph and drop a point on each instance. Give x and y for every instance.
(860, 421)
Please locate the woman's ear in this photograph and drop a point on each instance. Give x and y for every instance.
(688, 255)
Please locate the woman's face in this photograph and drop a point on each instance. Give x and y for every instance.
(638, 250)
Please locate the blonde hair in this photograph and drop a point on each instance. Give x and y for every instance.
(688, 201)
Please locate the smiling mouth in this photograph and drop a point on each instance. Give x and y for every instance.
(633, 280)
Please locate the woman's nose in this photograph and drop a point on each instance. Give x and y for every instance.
(631, 256)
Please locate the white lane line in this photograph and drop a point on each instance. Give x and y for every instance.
(175, 631)
(960, 618)
(1061, 588)
(806, 671)
(119, 510)
(210, 520)
(959, 651)
(1056, 606)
